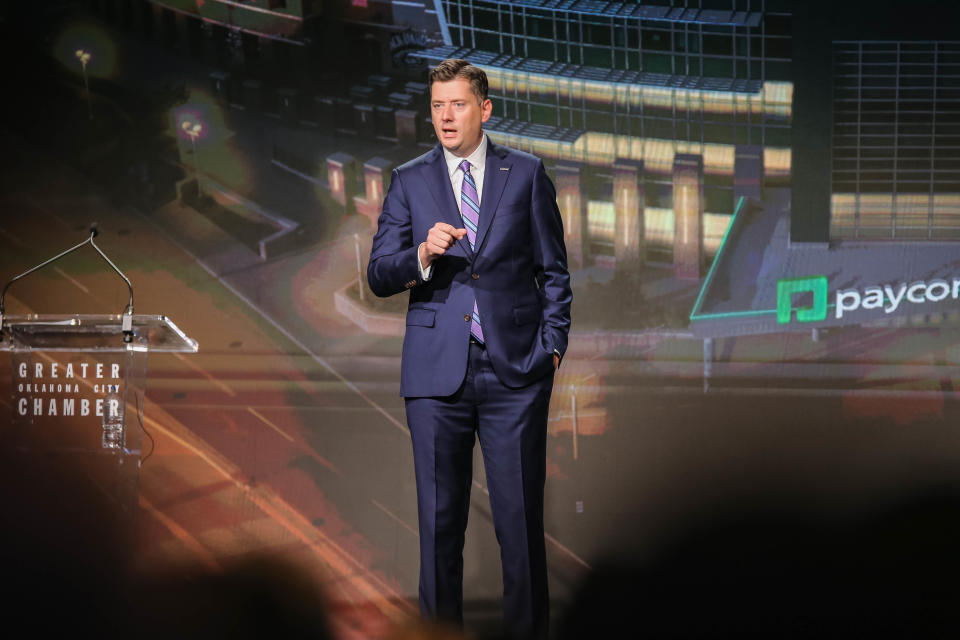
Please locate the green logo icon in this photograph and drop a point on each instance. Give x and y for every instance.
(790, 287)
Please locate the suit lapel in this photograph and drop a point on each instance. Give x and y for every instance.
(438, 184)
(495, 175)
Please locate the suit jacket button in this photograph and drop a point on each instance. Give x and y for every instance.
(476, 276)
(466, 317)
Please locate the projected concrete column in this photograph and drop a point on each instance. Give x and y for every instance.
(628, 202)
(220, 85)
(376, 172)
(363, 122)
(748, 173)
(287, 105)
(342, 177)
(571, 205)
(252, 91)
(406, 123)
(687, 215)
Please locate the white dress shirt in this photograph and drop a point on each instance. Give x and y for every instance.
(478, 162)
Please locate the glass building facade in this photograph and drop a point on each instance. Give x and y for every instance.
(896, 140)
(706, 56)
(602, 82)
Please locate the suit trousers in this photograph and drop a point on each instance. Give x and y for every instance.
(511, 425)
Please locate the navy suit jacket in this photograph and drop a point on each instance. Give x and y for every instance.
(517, 271)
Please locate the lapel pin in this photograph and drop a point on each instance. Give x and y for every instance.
(504, 168)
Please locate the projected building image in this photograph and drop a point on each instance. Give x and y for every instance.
(590, 86)
(761, 213)
(874, 213)
(896, 133)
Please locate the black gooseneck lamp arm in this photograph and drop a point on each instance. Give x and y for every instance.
(127, 322)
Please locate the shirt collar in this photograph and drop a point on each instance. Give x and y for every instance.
(477, 158)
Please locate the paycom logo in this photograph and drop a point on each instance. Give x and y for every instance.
(812, 290)
(789, 288)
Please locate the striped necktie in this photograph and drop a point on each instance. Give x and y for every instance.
(470, 212)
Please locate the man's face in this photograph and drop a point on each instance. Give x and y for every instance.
(457, 115)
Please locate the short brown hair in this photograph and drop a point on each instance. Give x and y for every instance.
(453, 68)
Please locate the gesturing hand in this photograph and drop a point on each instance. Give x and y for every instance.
(440, 239)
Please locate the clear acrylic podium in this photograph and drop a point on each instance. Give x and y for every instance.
(78, 386)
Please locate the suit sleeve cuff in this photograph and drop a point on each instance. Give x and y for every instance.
(425, 273)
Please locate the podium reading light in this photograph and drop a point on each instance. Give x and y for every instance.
(127, 322)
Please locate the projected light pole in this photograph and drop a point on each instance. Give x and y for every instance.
(356, 246)
(84, 57)
(193, 131)
(574, 425)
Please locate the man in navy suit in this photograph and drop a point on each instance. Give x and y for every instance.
(472, 230)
